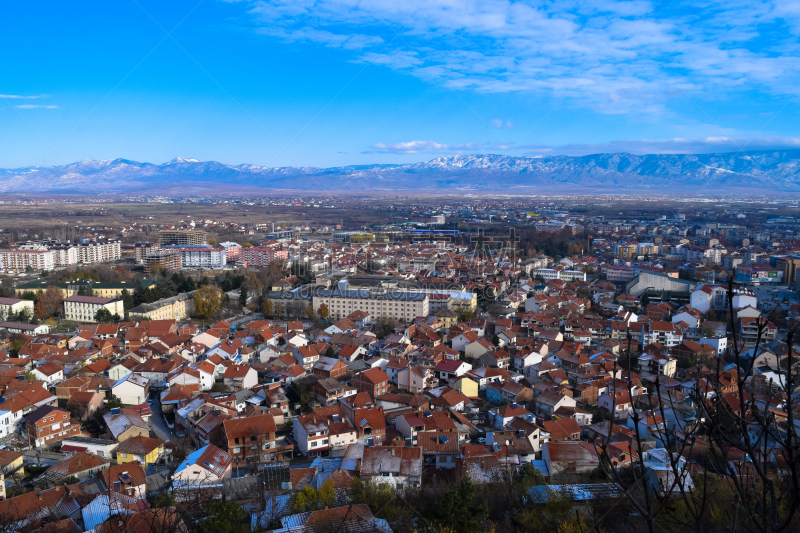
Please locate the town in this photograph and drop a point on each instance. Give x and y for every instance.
(394, 364)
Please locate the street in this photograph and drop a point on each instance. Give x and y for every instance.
(158, 425)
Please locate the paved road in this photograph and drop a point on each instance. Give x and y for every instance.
(158, 425)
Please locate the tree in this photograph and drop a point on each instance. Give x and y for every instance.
(323, 312)
(457, 508)
(49, 303)
(212, 241)
(310, 312)
(103, 316)
(207, 301)
(113, 402)
(127, 300)
(267, 308)
(243, 295)
(278, 309)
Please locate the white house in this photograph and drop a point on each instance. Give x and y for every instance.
(207, 466)
(49, 373)
(133, 389)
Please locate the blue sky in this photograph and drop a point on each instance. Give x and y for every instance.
(340, 82)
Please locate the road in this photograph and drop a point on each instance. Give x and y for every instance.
(158, 425)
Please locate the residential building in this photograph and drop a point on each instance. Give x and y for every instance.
(11, 306)
(48, 425)
(141, 449)
(20, 260)
(84, 308)
(401, 306)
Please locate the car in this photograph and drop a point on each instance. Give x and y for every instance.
(481, 440)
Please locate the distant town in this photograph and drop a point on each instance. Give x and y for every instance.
(397, 363)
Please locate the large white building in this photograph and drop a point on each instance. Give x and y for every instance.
(201, 256)
(19, 260)
(65, 254)
(566, 275)
(83, 308)
(10, 306)
(403, 306)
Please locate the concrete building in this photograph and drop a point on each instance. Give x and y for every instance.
(182, 238)
(177, 307)
(10, 306)
(163, 259)
(143, 249)
(204, 257)
(84, 308)
(393, 305)
(259, 257)
(19, 260)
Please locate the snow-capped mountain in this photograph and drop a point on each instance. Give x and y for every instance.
(777, 170)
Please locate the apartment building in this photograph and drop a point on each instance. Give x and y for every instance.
(259, 257)
(566, 275)
(97, 252)
(10, 306)
(200, 256)
(84, 308)
(233, 250)
(182, 237)
(19, 260)
(177, 307)
(162, 259)
(403, 306)
(143, 249)
(47, 425)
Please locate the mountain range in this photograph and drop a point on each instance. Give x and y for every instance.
(772, 170)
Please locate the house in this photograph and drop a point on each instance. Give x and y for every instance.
(207, 466)
(85, 404)
(11, 462)
(252, 439)
(439, 449)
(306, 356)
(129, 479)
(47, 425)
(452, 369)
(50, 373)
(132, 389)
(476, 349)
(237, 377)
(123, 426)
(395, 466)
(141, 449)
(548, 402)
(502, 415)
(373, 381)
(356, 517)
(329, 367)
(415, 379)
(99, 447)
(569, 460)
(508, 392)
(562, 429)
(328, 391)
(616, 402)
(466, 386)
(394, 366)
(82, 465)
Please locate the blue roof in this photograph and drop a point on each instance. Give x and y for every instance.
(191, 459)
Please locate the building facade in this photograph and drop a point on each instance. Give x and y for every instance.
(84, 308)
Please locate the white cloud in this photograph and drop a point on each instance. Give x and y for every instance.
(612, 56)
(415, 147)
(23, 97)
(29, 106)
(677, 145)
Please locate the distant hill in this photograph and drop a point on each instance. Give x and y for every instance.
(774, 170)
